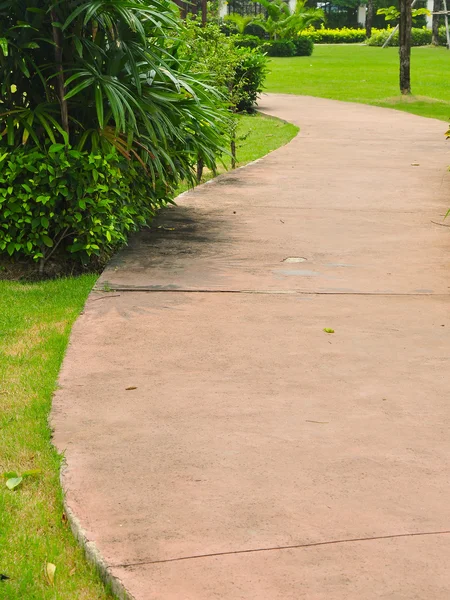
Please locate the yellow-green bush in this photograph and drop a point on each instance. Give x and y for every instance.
(346, 35)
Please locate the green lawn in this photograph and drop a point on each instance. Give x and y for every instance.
(35, 323)
(257, 135)
(367, 74)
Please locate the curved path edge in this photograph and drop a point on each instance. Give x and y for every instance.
(307, 225)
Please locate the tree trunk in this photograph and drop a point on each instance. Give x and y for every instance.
(404, 40)
(200, 165)
(435, 23)
(233, 153)
(369, 17)
(204, 12)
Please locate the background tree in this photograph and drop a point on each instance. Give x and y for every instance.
(369, 17)
(405, 24)
(435, 23)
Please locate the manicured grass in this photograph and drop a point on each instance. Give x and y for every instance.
(367, 74)
(257, 135)
(35, 322)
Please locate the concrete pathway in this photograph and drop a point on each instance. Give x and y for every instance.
(219, 443)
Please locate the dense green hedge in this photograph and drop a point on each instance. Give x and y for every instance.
(278, 48)
(71, 202)
(246, 41)
(345, 35)
(419, 37)
(304, 46)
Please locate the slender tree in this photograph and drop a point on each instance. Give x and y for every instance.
(435, 23)
(405, 24)
(369, 17)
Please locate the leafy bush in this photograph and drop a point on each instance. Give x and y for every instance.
(246, 41)
(68, 75)
(238, 72)
(419, 37)
(67, 201)
(250, 73)
(345, 35)
(304, 46)
(279, 48)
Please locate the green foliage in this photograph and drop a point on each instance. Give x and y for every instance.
(118, 84)
(246, 41)
(284, 25)
(345, 35)
(102, 77)
(78, 203)
(239, 72)
(279, 48)
(250, 74)
(304, 46)
(254, 28)
(391, 13)
(239, 22)
(419, 37)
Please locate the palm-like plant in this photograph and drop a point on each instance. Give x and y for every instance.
(240, 22)
(282, 24)
(97, 73)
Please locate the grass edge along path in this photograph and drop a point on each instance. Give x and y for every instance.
(257, 135)
(368, 75)
(35, 324)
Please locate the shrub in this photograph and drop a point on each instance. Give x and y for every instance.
(110, 90)
(250, 73)
(72, 202)
(304, 46)
(419, 37)
(246, 41)
(345, 35)
(279, 48)
(239, 72)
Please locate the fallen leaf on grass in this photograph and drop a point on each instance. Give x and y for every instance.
(328, 330)
(3, 577)
(72, 572)
(49, 570)
(13, 482)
